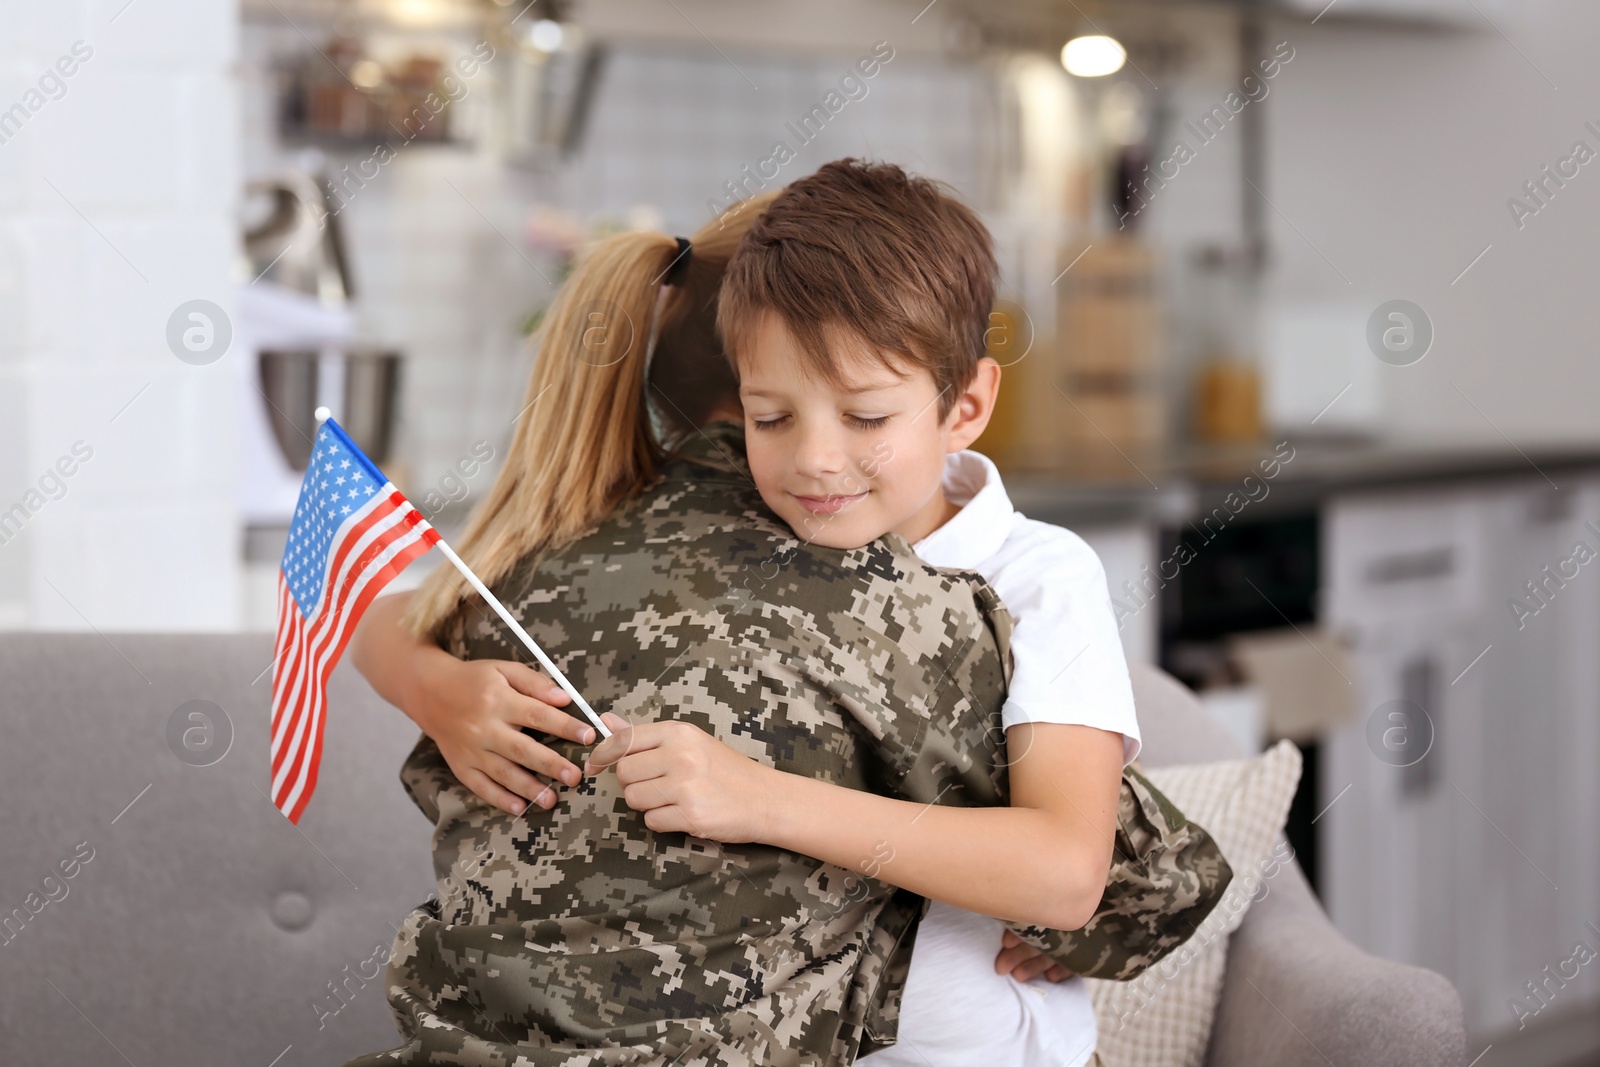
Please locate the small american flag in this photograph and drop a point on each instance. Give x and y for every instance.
(352, 533)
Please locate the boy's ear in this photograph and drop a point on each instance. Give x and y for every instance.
(971, 412)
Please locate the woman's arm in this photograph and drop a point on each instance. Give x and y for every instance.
(1043, 860)
(473, 710)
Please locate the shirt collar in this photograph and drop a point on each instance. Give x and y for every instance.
(980, 528)
(718, 445)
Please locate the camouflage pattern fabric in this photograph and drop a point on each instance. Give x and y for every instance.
(580, 937)
(1167, 873)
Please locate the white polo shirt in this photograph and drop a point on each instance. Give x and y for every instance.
(1068, 667)
(1068, 664)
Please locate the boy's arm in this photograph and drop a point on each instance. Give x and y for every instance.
(473, 710)
(1166, 877)
(1043, 860)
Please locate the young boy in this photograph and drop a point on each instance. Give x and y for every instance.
(855, 313)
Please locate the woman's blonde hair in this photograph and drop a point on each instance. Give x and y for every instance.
(584, 440)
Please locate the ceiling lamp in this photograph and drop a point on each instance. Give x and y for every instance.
(547, 35)
(1093, 56)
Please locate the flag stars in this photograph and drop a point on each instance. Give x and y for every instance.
(337, 485)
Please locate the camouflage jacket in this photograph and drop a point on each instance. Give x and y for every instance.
(580, 937)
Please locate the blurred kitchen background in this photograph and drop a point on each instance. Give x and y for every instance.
(1297, 320)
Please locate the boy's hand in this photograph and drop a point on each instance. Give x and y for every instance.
(1022, 961)
(683, 779)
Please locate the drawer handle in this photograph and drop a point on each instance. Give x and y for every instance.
(1412, 567)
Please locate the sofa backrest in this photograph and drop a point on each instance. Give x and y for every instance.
(154, 905)
(191, 922)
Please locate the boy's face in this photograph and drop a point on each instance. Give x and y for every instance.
(845, 464)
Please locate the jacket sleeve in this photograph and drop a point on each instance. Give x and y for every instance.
(1166, 876)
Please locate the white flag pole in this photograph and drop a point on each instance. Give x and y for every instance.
(516, 628)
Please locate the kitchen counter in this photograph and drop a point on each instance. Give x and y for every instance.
(1174, 485)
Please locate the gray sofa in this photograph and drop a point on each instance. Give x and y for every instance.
(159, 910)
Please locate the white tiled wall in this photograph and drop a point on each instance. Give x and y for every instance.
(117, 204)
(670, 126)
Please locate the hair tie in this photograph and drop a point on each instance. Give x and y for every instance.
(680, 263)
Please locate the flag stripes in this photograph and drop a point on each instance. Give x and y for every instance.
(353, 532)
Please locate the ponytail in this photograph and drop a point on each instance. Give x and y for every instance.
(583, 441)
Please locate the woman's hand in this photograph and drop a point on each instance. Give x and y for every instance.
(1022, 961)
(474, 710)
(683, 779)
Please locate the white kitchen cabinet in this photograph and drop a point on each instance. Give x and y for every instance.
(1401, 581)
(1539, 688)
(1453, 862)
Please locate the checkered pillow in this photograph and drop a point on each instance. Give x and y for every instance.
(1163, 1017)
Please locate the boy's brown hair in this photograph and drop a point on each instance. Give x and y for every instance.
(870, 251)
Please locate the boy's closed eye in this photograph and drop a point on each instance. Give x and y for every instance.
(860, 422)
